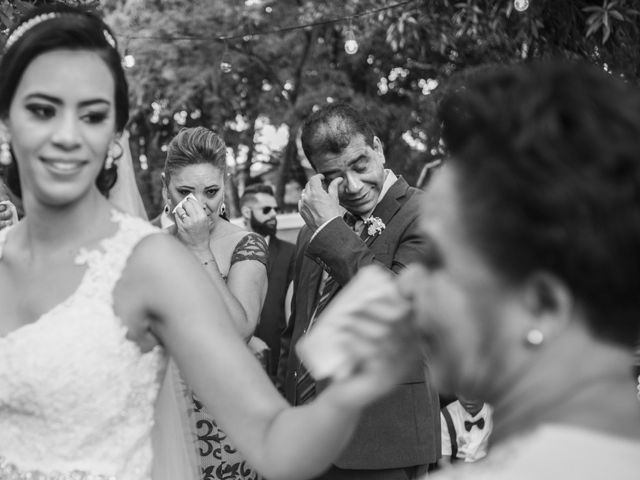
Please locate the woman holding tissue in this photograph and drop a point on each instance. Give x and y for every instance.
(193, 190)
(235, 260)
(95, 301)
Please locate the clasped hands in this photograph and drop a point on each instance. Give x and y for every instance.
(366, 340)
(317, 205)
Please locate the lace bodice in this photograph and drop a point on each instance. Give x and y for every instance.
(76, 396)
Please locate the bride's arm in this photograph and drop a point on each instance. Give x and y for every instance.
(192, 322)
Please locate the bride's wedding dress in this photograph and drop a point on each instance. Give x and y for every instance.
(77, 397)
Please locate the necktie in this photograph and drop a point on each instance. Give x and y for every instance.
(305, 384)
(329, 287)
(468, 425)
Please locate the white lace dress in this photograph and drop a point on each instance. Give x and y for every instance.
(76, 396)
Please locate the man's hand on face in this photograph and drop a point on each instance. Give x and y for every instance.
(318, 205)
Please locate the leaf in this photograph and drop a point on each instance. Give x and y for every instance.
(593, 28)
(617, 15)
(606, 33)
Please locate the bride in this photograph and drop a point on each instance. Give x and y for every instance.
(94, 300)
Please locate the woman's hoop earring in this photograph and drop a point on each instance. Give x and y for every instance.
(5, 154)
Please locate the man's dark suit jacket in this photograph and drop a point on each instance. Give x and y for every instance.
(272, 322)
(402, 429)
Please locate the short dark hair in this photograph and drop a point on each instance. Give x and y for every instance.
(250, 192)
(72, 28)
(547, 157)
(331, 128)
(192, 146)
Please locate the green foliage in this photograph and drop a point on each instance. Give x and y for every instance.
(405, 60)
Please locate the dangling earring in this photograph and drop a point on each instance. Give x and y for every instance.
(166, 209)
(5, 153)
(222, 211)
(108, 163)
(534, 337)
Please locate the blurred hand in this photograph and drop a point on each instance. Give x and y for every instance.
(318, 205)
(192, 225)
(8, 214)
(365, 339)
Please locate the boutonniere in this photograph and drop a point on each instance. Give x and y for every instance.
(375, 226)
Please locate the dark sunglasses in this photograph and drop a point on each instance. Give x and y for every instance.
(267, 210)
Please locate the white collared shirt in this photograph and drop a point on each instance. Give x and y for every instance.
(472, 445)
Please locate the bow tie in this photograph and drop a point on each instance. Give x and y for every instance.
(468, 425)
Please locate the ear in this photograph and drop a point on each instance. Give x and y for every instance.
(377, 147)
(165, 189)
(549, 303)
(246, 212)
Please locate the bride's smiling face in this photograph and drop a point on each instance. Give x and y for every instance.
(61, 122)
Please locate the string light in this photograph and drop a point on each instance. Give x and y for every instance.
(350, 43)
(144, 163)
(521, 5)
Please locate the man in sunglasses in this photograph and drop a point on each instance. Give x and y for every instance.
(259, 208)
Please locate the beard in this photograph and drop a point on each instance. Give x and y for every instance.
(266, 229)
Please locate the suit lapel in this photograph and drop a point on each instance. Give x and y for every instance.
(388, 207)
(315, 276)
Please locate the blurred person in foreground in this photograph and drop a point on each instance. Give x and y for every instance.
(259, 210)
(528, 297)
(358, 214)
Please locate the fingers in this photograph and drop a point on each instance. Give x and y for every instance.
(193, 208)
(180, 215)
(190, 210)
(333, 187)
(315, 183)
(364, 320)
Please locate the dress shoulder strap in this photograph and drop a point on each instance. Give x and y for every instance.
(105, 265)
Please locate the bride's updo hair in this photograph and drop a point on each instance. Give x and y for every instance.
(58, 27)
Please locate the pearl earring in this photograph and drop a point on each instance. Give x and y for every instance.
(5, 154)
(535, 337)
